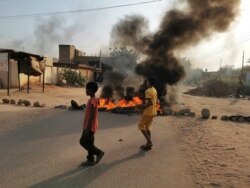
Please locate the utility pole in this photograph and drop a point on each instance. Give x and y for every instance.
(220, 69)
(240, 84)
(242, 64)
(100, 63)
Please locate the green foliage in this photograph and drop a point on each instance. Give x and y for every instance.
(227, 70)
(219, 88)
(229, 82)
(73, 78)
(224, 88)
(246, 90)
(222, 83)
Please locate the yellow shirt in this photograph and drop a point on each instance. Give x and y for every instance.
(151, 94)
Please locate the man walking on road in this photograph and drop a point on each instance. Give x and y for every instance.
(149, 111)
(90, 126)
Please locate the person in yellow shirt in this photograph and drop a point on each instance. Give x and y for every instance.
(149, 111)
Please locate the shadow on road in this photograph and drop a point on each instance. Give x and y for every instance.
(82, 176)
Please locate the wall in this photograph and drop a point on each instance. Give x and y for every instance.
(14, 77)
(88, 73)
(66, 53)
(50, 72)
(50, 75)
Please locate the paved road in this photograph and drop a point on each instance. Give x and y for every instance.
(45, 152)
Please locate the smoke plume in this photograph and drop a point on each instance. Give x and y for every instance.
(53, 32)
(47, 35)
(178, 30)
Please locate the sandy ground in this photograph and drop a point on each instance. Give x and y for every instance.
(53, 96)
(217, 152)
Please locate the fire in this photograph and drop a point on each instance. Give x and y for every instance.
(137, 100)
(159, 109)
(131, 103)
(108, 104)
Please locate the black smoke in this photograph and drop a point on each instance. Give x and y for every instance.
(178, 30)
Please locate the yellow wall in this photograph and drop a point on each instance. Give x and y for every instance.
(88, 73)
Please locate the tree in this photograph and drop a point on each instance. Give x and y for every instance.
(227, 71)
(122, 62)
(193, 76)
(122, 59)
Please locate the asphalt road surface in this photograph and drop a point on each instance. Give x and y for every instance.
(45, 152)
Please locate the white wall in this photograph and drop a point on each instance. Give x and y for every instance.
(50, 75)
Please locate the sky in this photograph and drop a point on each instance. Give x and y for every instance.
(90, 31)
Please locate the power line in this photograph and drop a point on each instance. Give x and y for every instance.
(76, 11)
(242, 39)
(229, 43)
(6, 0)
(222, 50)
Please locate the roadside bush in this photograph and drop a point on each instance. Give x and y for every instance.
(72, 78)
(215, 88)
(219, 88)
(246, 90)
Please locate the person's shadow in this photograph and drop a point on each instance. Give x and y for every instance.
(82, 176)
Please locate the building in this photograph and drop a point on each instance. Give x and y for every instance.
(67, 54)
(89, 66)
(19, 68)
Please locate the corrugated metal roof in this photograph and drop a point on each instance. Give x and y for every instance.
(17, 55)
(24, 60)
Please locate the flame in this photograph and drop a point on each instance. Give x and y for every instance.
(108, 104)
(137, 100)
(131, 103)
(159, 109)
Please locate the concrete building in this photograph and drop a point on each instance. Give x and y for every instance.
(70, 57)
(67, 54)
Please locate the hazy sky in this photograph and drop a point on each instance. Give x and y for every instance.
(90, 31)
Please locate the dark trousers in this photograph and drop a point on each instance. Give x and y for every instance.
(87, 142)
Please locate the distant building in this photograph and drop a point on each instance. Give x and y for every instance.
(209, 75)
(89, 66)
(68, 53)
